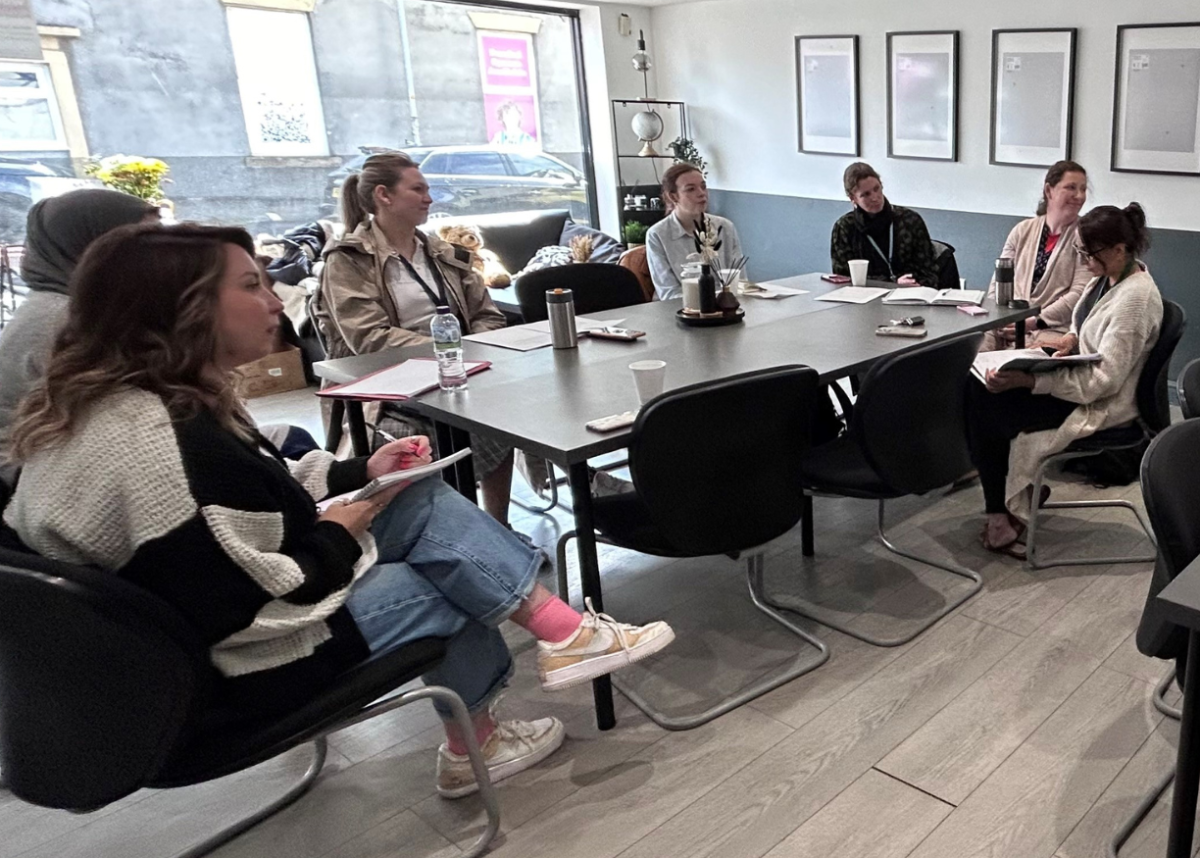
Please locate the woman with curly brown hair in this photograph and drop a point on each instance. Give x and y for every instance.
(139, 458)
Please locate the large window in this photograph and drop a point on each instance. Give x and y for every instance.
(29, 117)
(262, 108)
(277, 79)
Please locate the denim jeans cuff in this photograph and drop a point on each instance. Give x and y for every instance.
(523, 588)
(484, 702)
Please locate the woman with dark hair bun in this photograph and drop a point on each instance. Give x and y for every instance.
(1047, 271)
(1017, 419)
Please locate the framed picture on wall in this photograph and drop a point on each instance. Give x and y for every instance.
(1156, 107)
(827, 94)
(922, 85)
(1033, 96)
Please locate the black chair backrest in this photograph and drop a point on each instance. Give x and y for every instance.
(909, 418)
(98, 679)
(1188, 388)
(947, 265)
(595, 286)
(1172, 493)
(1153, 400)
(718, 463)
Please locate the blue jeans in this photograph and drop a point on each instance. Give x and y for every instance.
(449, 570)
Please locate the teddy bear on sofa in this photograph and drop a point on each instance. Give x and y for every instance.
(482, 259)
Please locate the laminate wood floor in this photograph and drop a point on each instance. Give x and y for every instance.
(1020, 726)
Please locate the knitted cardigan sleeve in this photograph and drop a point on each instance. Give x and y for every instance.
(1122, 328)
(173, 508)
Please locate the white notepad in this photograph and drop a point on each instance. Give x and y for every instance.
(535, 335)
(854, 294)
(769, 290)
(380, 483)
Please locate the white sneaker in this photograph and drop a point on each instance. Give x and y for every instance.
(514, 746)
(600, 645)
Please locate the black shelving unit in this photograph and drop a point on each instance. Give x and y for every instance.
(675, 123)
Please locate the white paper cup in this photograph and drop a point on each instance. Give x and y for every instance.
(858, 272)
(691, 293)
(648, 376)
(962, 282)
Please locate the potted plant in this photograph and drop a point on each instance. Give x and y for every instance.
(685, 152)
(634, 233)
(132, 174)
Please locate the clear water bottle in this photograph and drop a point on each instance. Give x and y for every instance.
(447, 347)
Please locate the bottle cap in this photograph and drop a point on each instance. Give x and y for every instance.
(443, 309)
(559, 296)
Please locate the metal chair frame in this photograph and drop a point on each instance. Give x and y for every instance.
(755, 564)
(487, 790)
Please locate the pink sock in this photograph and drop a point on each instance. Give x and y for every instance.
(454, 737)
(554, 621)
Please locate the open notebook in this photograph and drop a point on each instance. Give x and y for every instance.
(380, 483)
(403, 381)
(1029, 360)
(926, 296)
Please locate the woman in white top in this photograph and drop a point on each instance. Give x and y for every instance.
(671, 240)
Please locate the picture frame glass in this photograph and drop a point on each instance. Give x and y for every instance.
(1157, 114)
(923, 71)
(827, 89)
(1032, 97)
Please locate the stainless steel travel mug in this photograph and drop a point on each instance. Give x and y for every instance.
(1004, 281)
(560, 304)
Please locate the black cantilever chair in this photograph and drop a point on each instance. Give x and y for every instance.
(906, 437)
(1154, 415)
(102, 687)
(1188, 387)
(691, 503)
(595, 286)
(1172, 495)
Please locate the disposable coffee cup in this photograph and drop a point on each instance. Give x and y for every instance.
(962, 282)
(858, 272)
(648, 377)
(691, 294)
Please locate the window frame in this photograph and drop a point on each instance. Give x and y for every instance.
(318, 146)
(45, 90)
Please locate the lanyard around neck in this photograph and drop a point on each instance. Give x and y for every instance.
(891, 239)
(439, 299)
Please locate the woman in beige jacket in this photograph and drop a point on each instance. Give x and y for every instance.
(382, 283)
(1017, 419)
(1047, 272)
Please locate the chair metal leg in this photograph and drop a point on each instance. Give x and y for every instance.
(1160, 697)
(881, 532)
(305, 783)
(542, 510)
(1031, 550)
(754, 581)
(560, 561)
(487, 791)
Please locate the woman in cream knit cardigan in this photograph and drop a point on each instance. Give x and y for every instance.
(1017, 419)
(1048, 273)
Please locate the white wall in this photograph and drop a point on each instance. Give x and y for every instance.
(732, 62)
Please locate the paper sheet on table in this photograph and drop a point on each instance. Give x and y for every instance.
(403, 381)
(768, 290)
(536, 335)
(853, 294)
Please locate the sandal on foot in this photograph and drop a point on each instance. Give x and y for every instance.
(1013, 548)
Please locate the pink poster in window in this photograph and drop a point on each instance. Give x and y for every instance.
(509, 76)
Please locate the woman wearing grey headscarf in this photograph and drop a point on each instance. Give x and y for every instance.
(59, 230)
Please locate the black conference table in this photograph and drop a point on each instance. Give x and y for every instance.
(540, 401)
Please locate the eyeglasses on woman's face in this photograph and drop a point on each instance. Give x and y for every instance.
(1087, 255)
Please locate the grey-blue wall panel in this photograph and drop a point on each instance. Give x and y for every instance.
(790, 235)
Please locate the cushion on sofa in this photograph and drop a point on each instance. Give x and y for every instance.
(605, 248)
